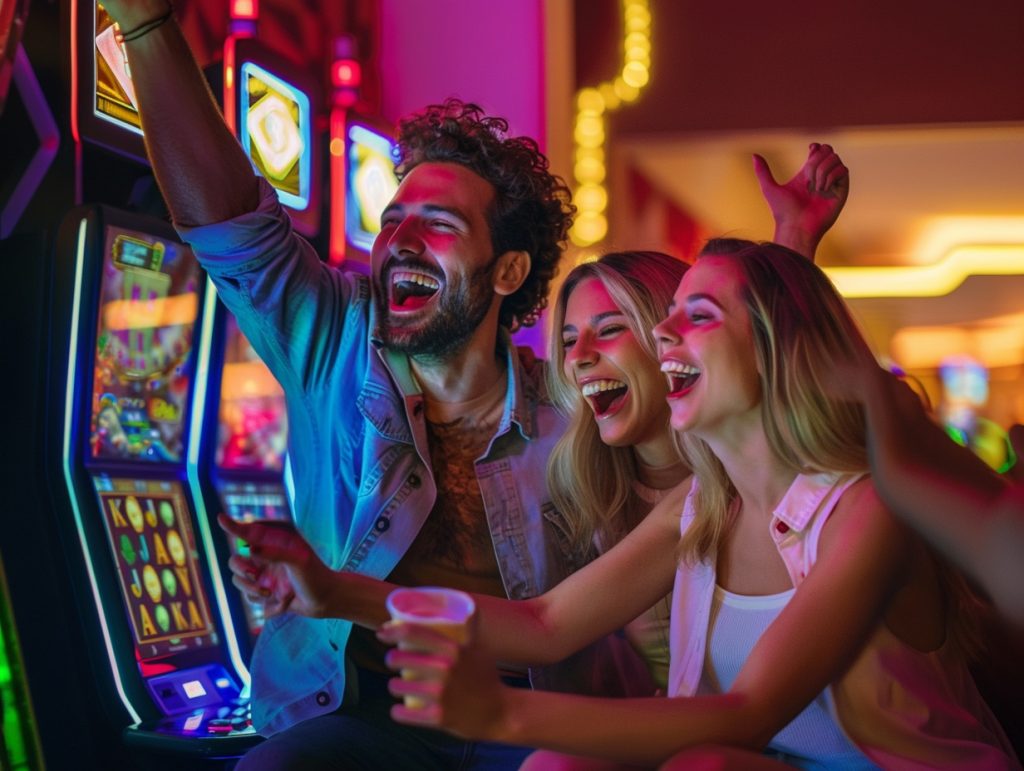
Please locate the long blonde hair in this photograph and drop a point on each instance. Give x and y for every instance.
(800, 327)
(591, 483)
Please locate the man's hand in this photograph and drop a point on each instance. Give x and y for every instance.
(807, 205)
(282, 572)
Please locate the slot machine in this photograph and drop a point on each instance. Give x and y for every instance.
(362, 165)
(130, 420)
(162, 639)
(369, 183)
(270, 103)
(243, 451)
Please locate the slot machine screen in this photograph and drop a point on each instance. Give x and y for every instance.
(276, 132)
(252, 431)
(155, 554)
(149, 300)
(114, 96)
(370, 183)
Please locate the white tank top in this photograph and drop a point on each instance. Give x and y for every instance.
(812, 739)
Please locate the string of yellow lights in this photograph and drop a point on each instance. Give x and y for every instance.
(592, 105)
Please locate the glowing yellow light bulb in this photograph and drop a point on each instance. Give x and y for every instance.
(590, 228)
(591, 198)
(626, 91)
(589, 170)
(590, 100)
(636, 75)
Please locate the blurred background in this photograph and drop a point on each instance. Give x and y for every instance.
(651, 110)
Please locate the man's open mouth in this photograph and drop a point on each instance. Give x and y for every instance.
(681, 377)
(605, 395)
(410, 290)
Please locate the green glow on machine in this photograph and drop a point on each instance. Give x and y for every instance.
(19, 745)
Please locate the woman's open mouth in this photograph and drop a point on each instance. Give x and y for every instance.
(410, 290)
(606, 396)
(681, 377)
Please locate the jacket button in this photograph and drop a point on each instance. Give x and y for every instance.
(782, 527)
(323, 699)
(382, 524)
(417, 408)
(414, 480)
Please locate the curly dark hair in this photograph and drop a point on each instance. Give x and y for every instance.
(532, 209)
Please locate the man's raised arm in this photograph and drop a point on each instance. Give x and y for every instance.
(201, 169)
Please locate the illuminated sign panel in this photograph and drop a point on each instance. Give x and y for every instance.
(276, 132)
(371, 183)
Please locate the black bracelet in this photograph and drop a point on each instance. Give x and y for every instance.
(147, 27)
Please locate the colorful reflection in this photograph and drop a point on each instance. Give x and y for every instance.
(964, 394)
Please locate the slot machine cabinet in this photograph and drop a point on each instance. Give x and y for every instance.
(165, 635)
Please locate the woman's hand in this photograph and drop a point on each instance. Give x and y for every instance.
(807, 205)
(282, 572)
(450, 686)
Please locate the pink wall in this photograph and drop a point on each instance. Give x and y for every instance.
(487, 52)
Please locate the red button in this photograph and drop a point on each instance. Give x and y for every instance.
(782, 527)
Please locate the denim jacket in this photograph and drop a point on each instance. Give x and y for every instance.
(358, 447)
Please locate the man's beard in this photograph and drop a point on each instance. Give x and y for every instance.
(461, 307)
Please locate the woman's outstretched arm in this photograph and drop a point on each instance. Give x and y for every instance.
(596, 600)
(859, 568)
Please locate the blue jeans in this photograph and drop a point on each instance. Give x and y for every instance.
(364, 736)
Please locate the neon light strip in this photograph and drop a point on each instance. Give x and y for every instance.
(339, 162)
(192, 469)
(69, 408)
(935, 280)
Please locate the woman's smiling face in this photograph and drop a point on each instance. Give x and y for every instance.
(618, 379)
(706, 349)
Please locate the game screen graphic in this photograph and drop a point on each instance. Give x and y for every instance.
(149, 300)
(252, 427)
(155, 554)
(276, 132)
(115, 94)
(371, 183)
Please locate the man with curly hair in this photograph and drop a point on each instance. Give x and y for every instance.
(418, 435)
